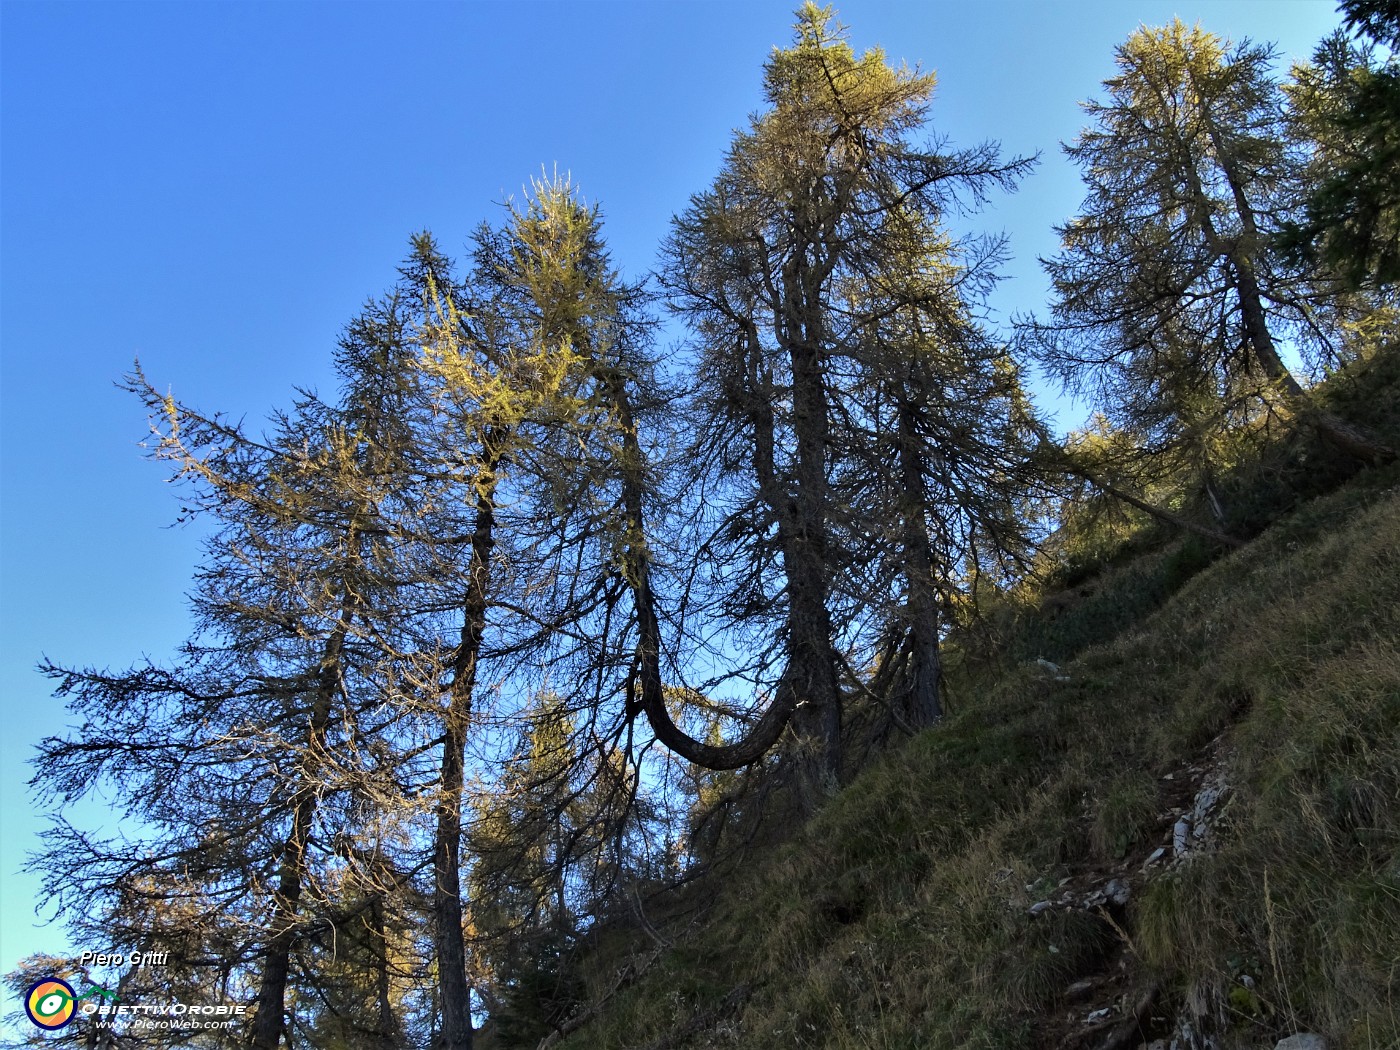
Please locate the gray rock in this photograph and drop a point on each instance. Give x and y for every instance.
(1302, 1041)
(1181, 837)
(1039, 906)
(1081, 988)
(1117, 891)
(1206, 802)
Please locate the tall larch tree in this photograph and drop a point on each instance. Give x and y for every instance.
(778, 267)
(1170, 281)
(256, 768)
(511, 412)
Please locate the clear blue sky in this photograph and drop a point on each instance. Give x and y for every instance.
(217, 187)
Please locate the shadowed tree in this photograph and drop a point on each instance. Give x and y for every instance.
(1346, 102)
(791, 270)
(491, 378)
(523, 358)
(243, 763)
(1169, 282)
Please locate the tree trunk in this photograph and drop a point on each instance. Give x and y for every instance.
(1068, 463)
(386, 1026)
(269, 1018)
(1335, 431)
(923, 704)
(816, 721)
(454, 1005)
(647, 692)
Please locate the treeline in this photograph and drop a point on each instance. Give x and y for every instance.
(480, 644)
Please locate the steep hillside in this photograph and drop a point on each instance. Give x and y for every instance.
(1193, 823)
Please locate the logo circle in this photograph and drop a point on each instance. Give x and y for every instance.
(49, 1003)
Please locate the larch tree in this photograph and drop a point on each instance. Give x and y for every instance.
(515, 356)
(791, 269)
(1169, 284)
(597, 489)
(484, 410)
(586, 494)
(938, 470)
(525, 842)
(243, 763)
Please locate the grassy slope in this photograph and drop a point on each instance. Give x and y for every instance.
(900, 916)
